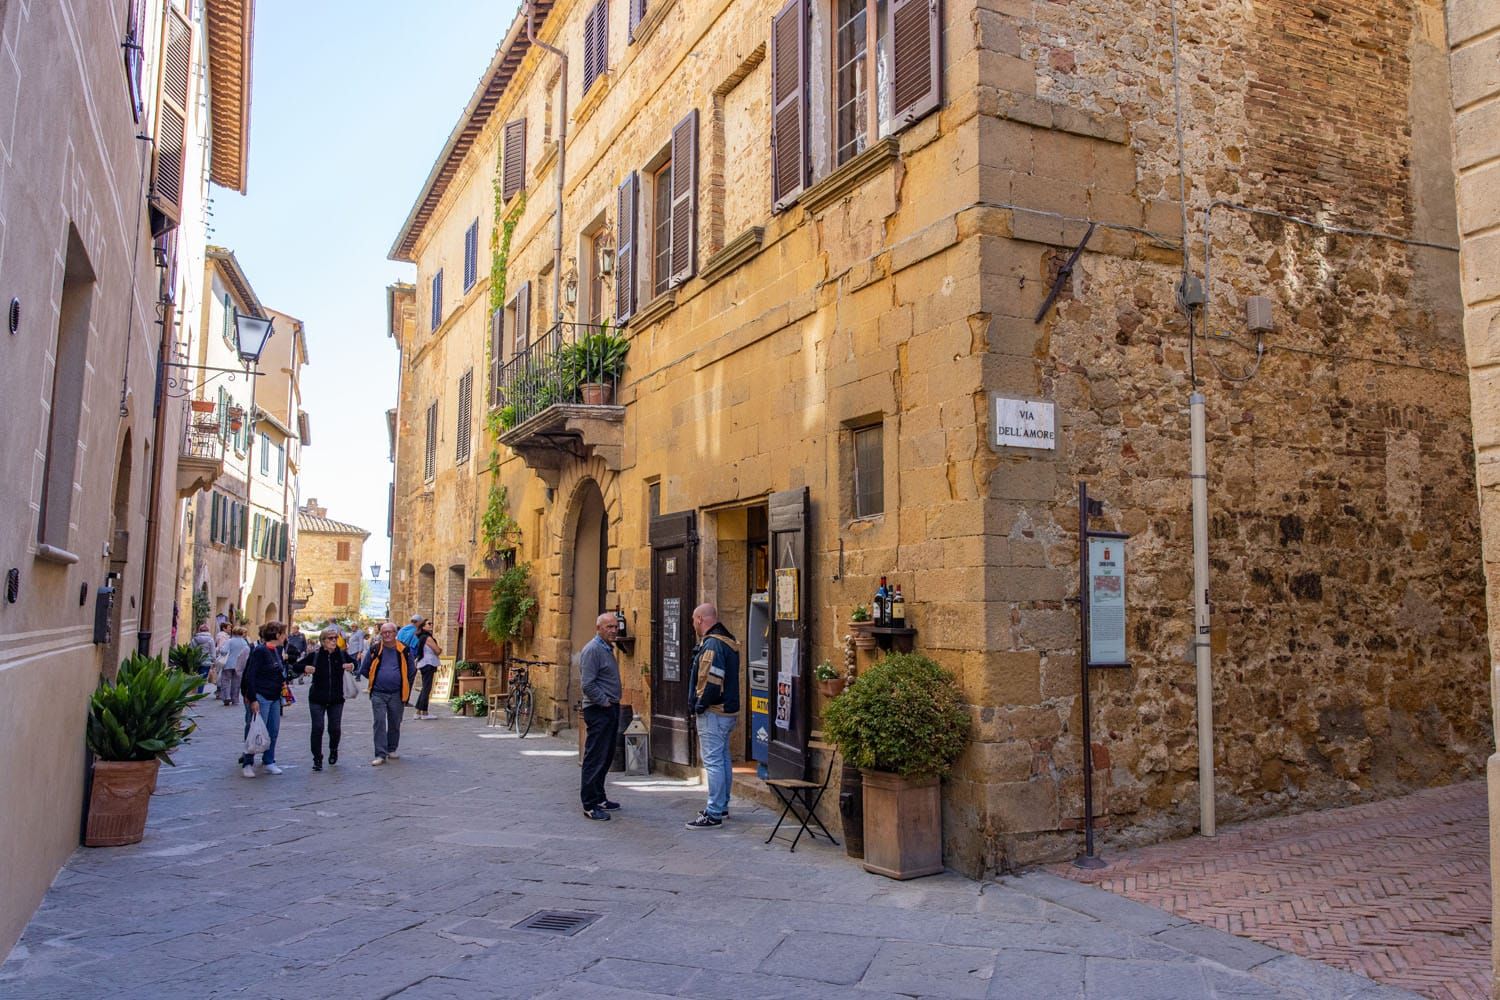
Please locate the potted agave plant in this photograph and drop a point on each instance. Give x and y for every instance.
(135, 722)
(903, 725)
(594, 364)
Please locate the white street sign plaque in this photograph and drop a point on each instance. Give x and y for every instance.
(1022, 423)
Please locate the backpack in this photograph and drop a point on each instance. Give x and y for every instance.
(414, 649)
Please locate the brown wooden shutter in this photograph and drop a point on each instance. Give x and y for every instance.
(465, 415)
(478, 646)
(515, 159)
(169, 155)
(595, 43)
(788, 104)
(916, 66)
(497, 353)
(684, 254)
(637, 11)
(523, 316)
(628, 198)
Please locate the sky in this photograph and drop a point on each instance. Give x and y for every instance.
(351, 102)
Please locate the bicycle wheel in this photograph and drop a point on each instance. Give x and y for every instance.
(523, 709)
(510, 710)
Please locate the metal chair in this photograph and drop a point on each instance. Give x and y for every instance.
(788, 790)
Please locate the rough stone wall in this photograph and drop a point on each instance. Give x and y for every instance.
(1474, 38)
(320, 568)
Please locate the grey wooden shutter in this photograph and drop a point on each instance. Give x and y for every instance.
(628, 198)
(523, 316)
(637, 11)
(916, 68)
(497, 353)
(788, 104)
(429, 459)
(465, 414)
(514, 180)
(595, 43)
(169, 153)
(684, 253)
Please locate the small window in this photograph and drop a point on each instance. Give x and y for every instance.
(343, 551)
(869, 472)
(661, 229)
(340, 594)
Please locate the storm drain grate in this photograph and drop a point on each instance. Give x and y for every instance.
(563, 922)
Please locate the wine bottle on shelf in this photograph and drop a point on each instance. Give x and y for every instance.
(877, 613)
(898, 609)
(620, 632)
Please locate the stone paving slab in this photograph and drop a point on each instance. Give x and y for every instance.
(1398, 890)
(409, 881)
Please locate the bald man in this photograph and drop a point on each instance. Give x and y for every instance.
(715, 694)
(601, 714)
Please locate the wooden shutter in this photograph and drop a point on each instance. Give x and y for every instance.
(497, 352)
(684, 254)
(429, 466)
(788, 104)
(514, 177)
(437, 299)
(340, 594)
(478, 646)
(285, 532)
(916, 67)
(471, 255)
(465, 412)
(628, 198)
(595, 43)
(523, 316)
(637, 12)
(213, 517)
(135, 59)
(169, 154)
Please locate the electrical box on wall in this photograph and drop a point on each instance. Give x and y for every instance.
(1260, 315)
(104, 612)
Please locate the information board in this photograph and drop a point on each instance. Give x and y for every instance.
(671, 638)
(1106, 583)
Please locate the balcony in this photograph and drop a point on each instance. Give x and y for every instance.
(201, 458)
(555, 400)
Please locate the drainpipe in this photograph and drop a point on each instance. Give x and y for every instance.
(1202, 633)
(562, 159)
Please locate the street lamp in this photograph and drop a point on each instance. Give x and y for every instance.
(375, 571)
(250, 335)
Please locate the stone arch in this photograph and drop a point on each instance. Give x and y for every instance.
(426, 591)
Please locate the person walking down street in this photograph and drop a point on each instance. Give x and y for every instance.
(390, 671)
(261, 686)
(356, 643)
(232, 666)
(427, 664)
(295, 645)
(203, 641)
(408, 633)
(601, 714)
(326, 666)
(714, 694)
(222, 636)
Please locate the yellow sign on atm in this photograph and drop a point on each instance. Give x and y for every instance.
(761, 705)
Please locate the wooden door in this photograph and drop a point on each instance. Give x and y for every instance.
(788, 513)
(674, 590)
(478, 646)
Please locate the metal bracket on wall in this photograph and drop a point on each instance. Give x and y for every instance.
(1064, 274)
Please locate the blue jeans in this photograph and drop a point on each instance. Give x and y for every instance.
(270, 714)
(713, 744)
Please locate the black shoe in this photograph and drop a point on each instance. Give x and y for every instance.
(333, 757)
(596, 813)
(607, 804)
(317, 765)
(704, 822)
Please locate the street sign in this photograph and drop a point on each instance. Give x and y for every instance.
(1022, 423)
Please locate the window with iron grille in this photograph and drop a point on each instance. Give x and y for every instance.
(471, 255)
(869, 472)
(465, 412)
(429, 466)
(437, 300)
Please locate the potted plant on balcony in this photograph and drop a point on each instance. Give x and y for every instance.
(236, 418)
(134, 723)
(513, 612)
(594, 364)
(902, 724)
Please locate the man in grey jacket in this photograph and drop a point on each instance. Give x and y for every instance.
(601, 714)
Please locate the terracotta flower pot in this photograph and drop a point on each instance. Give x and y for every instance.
(118, 802)
(903, 825)
(863, 637)
(204, 406)
(597, 393)
(831, 688)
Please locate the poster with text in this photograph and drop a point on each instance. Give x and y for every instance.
(1106, 590)
(671, 638)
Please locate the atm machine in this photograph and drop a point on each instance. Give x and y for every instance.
(758, 676)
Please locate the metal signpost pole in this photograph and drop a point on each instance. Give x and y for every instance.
(1088, 859)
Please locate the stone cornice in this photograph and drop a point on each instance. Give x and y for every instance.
(852, 174)
(734, 253)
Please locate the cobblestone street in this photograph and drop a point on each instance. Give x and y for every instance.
(409, 880)
(1398, 890)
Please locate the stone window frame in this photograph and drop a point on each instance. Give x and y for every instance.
(848, 468)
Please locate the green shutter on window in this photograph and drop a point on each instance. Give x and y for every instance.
(213, 517)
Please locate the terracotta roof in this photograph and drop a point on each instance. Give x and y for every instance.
(473, 121)
(229, 266)
(327, 525)
(230, 27)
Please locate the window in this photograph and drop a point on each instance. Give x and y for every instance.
(513, 149)
(637, 12)
(169, 153)
(869, 472)
(256, 549)
(65, 403)
(674, 209)
(265, 454)
(429, 465)
(520, 317)
(437, 299)
(343, 552)
(471, 255)
(280, 464)
(228, 333)
(593, 304)
(854, 21)
(465, 413)
(595, 43)
(497, 352)
(661, 229)
(135, 59)
(340, 594)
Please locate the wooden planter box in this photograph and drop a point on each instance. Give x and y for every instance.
(467, 683)
(903, 825)
(118, 802)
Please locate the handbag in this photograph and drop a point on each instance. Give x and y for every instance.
(258, 739)
(351, 686)
(287, 698)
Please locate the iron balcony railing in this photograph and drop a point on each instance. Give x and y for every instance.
(203, 439)
(567, 365)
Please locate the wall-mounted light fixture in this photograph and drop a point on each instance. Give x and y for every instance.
(15, 316)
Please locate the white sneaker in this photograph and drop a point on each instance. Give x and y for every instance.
(273, 768)
(393, 755)
(377, 762)
(248, 771)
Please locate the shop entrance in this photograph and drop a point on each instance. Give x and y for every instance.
(674, 590)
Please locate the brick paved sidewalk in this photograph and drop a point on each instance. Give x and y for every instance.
(1396, 890)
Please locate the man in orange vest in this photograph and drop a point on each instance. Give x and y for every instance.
(390, 671)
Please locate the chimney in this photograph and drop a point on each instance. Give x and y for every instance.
(313, 509)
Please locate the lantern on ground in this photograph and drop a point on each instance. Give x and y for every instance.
(637, 747)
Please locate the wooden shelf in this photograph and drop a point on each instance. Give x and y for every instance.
(888, 638)
(626, 644)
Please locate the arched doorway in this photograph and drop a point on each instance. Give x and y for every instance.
(270, 613)
(589, 576)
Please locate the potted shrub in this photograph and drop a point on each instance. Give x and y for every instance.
(594, 364)
(188, 658)
(829, 682)
(468, 678)
(135, 722)
(514, 606)
(469, 703)
(860, 625)
(903, 725)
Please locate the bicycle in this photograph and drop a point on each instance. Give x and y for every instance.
(520, 704)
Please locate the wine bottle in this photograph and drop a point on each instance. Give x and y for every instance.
(898, 609)
(620, 624)
(878, 612)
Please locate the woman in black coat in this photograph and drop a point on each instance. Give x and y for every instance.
(325, 696)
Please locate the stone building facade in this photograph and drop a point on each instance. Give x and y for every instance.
(330, 564)
(1474, 38)
(101, 248)
(866, 241)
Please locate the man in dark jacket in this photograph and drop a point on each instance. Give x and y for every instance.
(390, 671)
(715, 696)
(325, 698)
(261, 686)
